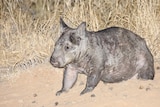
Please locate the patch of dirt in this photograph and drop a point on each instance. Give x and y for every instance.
(37, 88)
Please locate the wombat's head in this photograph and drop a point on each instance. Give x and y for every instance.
(69, 45)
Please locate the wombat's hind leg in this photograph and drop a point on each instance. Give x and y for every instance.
(145, 66)
(146, 74)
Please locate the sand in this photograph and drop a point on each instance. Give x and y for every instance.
(37, 86)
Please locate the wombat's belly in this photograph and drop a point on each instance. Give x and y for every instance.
(117, 76)
(114, 78)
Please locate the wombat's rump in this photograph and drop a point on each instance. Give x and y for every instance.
(110, 55)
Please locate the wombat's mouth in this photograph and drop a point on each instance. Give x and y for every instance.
(55, 63)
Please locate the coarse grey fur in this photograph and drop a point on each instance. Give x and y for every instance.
(110, 55)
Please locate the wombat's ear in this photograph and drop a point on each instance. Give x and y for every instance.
(82, 29)
(63, 25)
(75, 40)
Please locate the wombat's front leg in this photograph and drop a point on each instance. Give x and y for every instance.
(92, 81)
(69, 78)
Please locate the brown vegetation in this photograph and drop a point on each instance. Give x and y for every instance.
(30, 27)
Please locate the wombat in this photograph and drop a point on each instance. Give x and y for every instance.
(110, 55)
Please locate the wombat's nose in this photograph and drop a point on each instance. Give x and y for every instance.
(53, 61)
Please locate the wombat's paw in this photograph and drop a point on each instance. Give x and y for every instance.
(146, 75)
(58, 93)
(86, 90)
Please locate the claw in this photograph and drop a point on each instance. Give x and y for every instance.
(86, 90)
(58, 93)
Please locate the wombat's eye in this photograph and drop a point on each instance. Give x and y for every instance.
(60, 44)
(66, 48)
(72, 34)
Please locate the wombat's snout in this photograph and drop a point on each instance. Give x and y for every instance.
(54, 62)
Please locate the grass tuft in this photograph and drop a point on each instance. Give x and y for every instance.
(29, 28)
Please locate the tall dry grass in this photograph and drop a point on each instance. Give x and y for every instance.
(29, 28)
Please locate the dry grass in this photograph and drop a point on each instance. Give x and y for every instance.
(30, 27)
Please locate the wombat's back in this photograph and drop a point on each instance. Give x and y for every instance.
(126, 55)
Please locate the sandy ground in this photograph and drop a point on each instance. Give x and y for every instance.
(37, 88)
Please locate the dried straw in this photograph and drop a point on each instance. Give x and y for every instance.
(29, 28)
